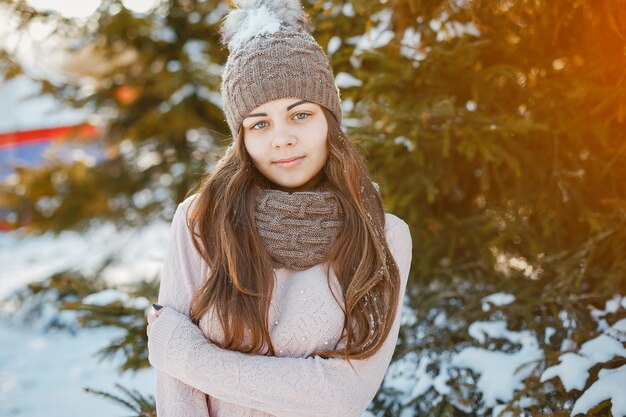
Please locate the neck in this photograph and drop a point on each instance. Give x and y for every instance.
(311, 186)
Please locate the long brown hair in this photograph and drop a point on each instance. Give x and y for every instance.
(240, 281)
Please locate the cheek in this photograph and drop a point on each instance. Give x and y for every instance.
(254, 151)
(322, 146)
(322, 139)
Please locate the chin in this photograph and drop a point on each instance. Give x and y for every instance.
(291, 185)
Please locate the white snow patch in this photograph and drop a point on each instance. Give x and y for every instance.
(618, 330)
(333, 45)
(498, 411)
(471, 105)
(345, 80)
(409, 377)
(497, 299)
(524, 402)
(347, 105)
(440, 319)
(23, 109)
(602, 349)
(45, 374)
(68, 8)
(212, 97)
(411, 42)
(440, 382)
(460, 29)
(568, 345)
(572, 371)
(455, 29)
(496, 330)
(141, 6)
(424, 380)
(34, 258)
(611, 306)
(403, 140)
(348, 10)
(501, 373)
(217, 13)
(110, 296)
(609, 386)
(376, 37)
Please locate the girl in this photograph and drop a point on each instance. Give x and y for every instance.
(283, 278)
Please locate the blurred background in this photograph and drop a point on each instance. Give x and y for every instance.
(495, 128)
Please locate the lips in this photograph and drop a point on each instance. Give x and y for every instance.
(289, 162)
(288, 159)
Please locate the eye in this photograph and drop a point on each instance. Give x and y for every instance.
(301, 116)
(258, 126)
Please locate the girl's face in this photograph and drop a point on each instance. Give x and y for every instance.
(286, 139)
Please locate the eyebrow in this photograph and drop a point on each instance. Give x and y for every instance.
(288, 108)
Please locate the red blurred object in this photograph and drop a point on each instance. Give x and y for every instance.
(11, 139)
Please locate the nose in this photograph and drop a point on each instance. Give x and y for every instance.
(283, 137)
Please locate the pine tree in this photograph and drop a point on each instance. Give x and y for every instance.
(499, 136)
(156, 103)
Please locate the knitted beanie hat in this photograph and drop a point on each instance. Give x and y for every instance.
(272, 56)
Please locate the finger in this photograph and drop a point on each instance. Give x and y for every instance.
(151, 317)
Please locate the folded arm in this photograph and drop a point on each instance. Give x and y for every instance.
(180, 268)
(281, 386)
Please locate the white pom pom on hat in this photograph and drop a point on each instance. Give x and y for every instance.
(255, 17)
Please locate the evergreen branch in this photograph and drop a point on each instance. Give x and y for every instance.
(111, 397)
(143, 406)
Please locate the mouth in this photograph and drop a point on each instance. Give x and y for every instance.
(289, 162)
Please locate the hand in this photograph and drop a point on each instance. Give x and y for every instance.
(153, 315)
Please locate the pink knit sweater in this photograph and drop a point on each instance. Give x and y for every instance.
(195, 378)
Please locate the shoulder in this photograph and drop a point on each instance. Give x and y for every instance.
(181, 215)
(396, 228)
(180, 221)
(187, 202)
(400, 243)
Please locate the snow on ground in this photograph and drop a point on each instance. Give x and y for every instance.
(44, 373)
(35, 258)
(23, 109)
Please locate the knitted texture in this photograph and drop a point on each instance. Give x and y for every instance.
(298, 229)
(196, 378)
(273, 57)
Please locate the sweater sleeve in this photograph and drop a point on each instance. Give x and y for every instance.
(181, 267)
(281, 386)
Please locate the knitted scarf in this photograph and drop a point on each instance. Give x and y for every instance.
(298, 229)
